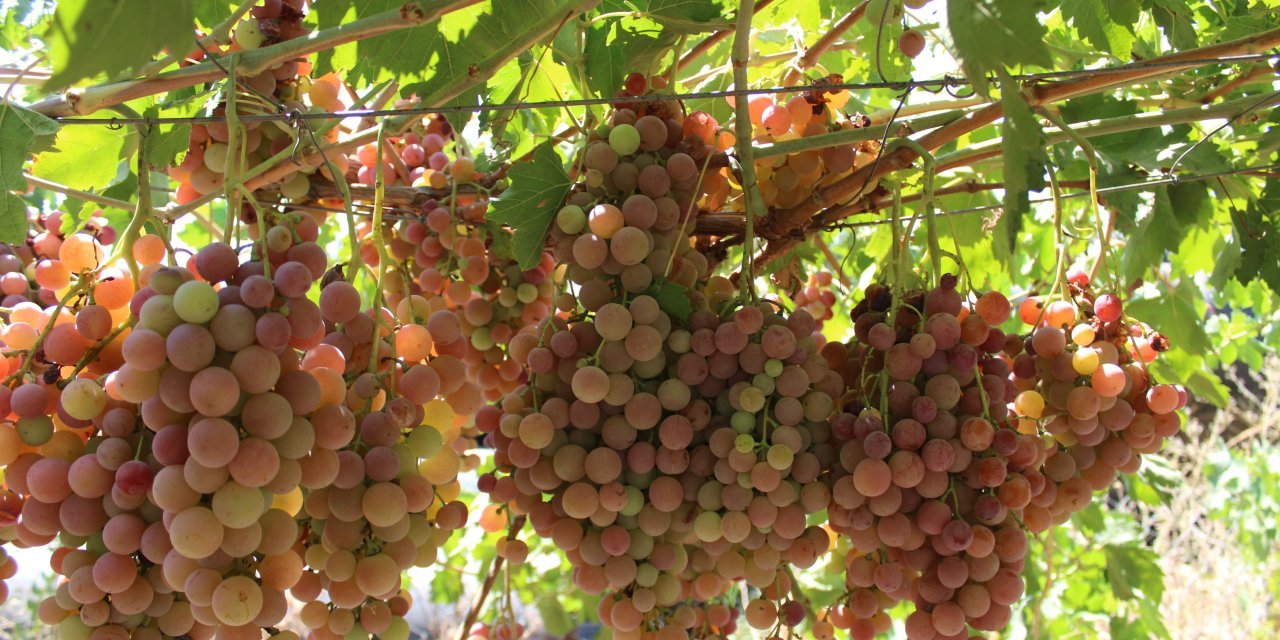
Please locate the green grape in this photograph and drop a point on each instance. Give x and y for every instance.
(571, 219)
(35, 431)
(780, 456)
(425, 443)
(744, 443)
(752, 399)
(195, 302)
(248, 35)
(624, 139)
(296, 188)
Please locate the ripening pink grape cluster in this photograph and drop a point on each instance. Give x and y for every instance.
(788, 180)
(417, 158)
(209, 157)
(670, 457)
(44, 268)
(817, 297)
(215, 442)
(959, 440)
(1083, 383)
(930, 482)
(446, 260)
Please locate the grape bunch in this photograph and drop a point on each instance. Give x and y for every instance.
(203, 169)
(197, 445)
(818, 297)
(450, 259)
(415, 159)
(788, 180)
(1083, 383)
(931, 482)
(38, 271)
(960, 439)
(669, 455)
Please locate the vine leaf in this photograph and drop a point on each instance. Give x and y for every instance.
(672, 298)
(1258, 228)
(1132, 569)
(688, 16)
(1176, 20)
(1106, 24)
(1024, 160)
(1180, 312)
(992, 34)
(538, 187)
(87, 158)
(19, 130)
(88, 38)
(554, 617)
(616, 47)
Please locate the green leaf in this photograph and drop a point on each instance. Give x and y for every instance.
(688, 16)
(1161, 230)
(87, 157)
(618, 46)
(211, 13)
(1106, 24)
(538, 188)
(1131, 570)
(554, 619)
(19, 128)
(13, 218)
(1024, 160)
(672, 298)
(1176, 19)
(1177, 314)
(500, 248)
(88, 38)
(1258, 228)
(445, 51)
(995, 34)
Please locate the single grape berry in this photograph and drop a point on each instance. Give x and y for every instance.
(636, 84)
(911, 43)
(1107, 306)
(1078, 276)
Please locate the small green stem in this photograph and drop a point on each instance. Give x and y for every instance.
(81, 285)
(754, 203)
(384, 258)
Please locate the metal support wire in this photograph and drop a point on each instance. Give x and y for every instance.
(945, 82)
(401, 214)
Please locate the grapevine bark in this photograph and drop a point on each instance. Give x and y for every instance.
(788, 225)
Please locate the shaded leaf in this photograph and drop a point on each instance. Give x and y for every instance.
(1106, 24)
(672, 298)
(995, 34)
(1176, 20)
(538, 188)
(689, 16)
(1024, 160)
(554, 619)
(13, 218)
(88, 38)
(1176, 314)
(1131, 570)
(19, 128)
(616, 47)
(1258, 230)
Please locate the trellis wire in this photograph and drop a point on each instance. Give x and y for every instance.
(938, 84)
(1133, 186)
